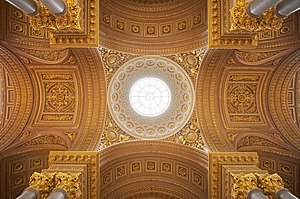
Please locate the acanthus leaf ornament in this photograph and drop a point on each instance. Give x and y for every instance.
(45, 20)
(242, 21)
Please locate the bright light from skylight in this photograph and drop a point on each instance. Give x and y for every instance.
(150, 96)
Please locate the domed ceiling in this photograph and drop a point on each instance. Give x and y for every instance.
(153, 27)
(225, 100)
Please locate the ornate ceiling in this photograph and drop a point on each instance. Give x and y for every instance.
(57, 99)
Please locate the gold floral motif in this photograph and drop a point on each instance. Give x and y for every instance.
(57, 77)
(231, 136)
(244, 118)
(252, 57)
(60, 96)
(45, 20)
(46, 139)
(120, 170)
(248, 78)
(242, 183)
(256, 141)
(71, 135)
(241, 98)
(190, 61)
(270, 184)
(189, 135)
(44, 182)
(112, 61)
(182, 171)
(242, 21)
(70, 182)
(150, 165)
(57, 117)
(113, 134)
(51, 55)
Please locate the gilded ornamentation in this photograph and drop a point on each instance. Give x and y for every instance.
(57, 77)
(254, 57)
(182, 171)
(113, 134)
(231, 136)
(220, 160)
(242, 184)
(84, 172)
(45, 20)
(57, 117)
(247, 78)
(244, 118)
(71, 135)
(60, 96)
(256, 141)
(70, 182)
(46, 139)
(241, 98)
(189, 135)
(46, 55)
(242, 21)
(183, 164)
(18, 101)
(120, 171)
(44, 182)
(219, 33)
(112, 61)
(190, 61)
(293, 98)
(159, 127)
(270, 184)
(164, 33)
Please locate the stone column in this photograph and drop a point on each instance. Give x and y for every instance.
(256, 194)
(287, 7)
(30, 193)
(56, 7)
(58, 193)
(29, 7)
(257, 7)
(284, 194)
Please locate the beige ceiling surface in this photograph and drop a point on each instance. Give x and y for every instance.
(56, 99)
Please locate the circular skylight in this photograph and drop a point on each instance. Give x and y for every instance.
(150, 96)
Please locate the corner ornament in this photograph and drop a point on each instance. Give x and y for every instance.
(242, 184)
(47, 21)
(44, 182)
(242, 21)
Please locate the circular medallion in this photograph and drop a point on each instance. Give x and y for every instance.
(151, 97)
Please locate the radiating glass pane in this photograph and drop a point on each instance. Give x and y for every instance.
(150, 96)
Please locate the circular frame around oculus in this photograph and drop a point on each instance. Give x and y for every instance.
(160, 126)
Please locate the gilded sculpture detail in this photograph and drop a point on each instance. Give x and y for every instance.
(242, 184)
(43, 181)
(242, 21)
(190, 61)
(241, 98)
(70, 182)
(189, 135)
(60, 96)
(270, 183)
(70, 21)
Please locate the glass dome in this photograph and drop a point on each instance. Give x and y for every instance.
(150, 96)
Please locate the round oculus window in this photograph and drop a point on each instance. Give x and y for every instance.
(150, 96)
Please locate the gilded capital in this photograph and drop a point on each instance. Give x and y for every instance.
(70, 182)
(44, 182)
(270, 184)
(242, 183)
(46, 20)
(242, 21)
